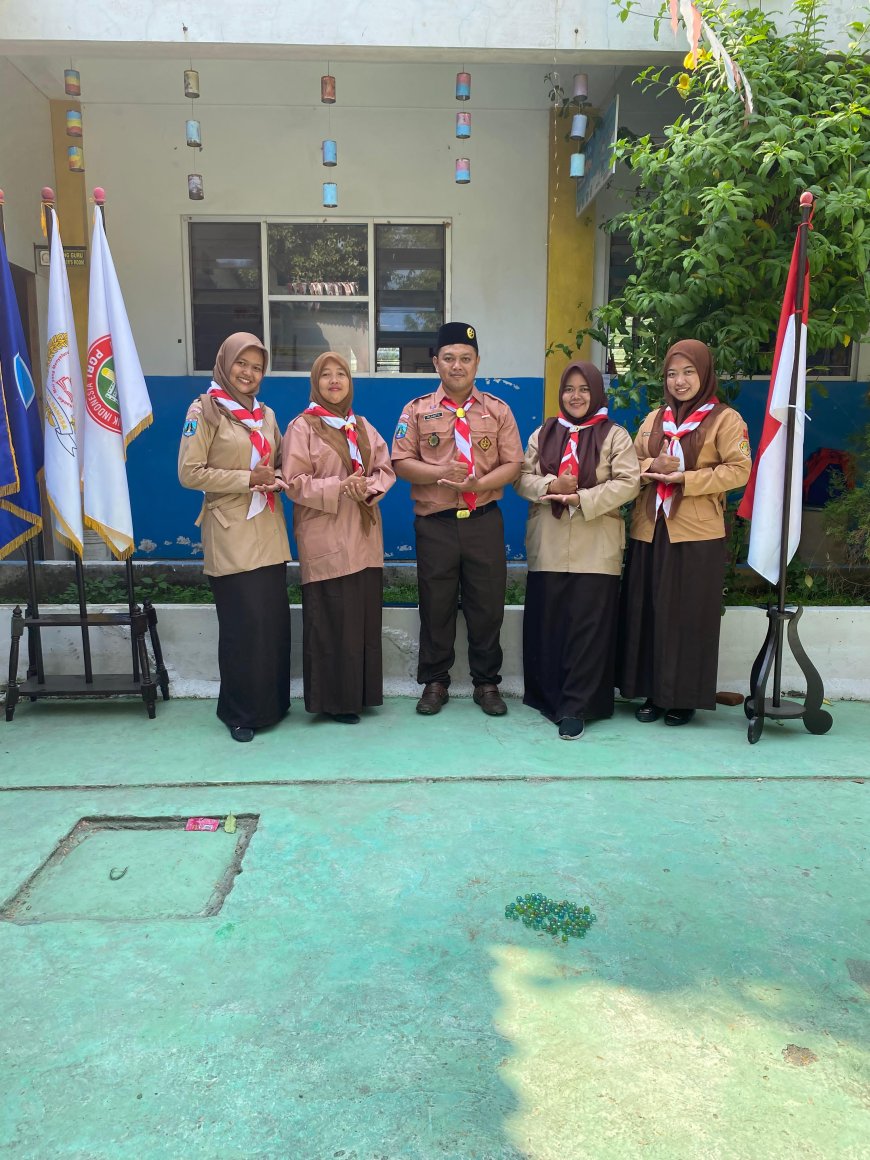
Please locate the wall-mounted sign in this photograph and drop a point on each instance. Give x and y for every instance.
(598, 150)
(76, 257)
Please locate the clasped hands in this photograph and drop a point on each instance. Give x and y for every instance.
(263, 478)
(456, 477)
(563, 490)
(665, 469)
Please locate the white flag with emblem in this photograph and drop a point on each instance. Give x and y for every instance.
(117, 406)
(64, 404)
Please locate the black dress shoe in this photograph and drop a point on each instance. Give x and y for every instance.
(435, 697)
(679, 716)
(345, 718)
(648, 712)
(241, 733)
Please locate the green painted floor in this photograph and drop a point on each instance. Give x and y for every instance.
(360, 995)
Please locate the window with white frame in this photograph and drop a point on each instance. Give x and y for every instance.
(373, 291)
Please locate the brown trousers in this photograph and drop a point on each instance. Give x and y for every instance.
(466, 556)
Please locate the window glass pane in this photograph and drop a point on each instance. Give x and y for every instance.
(303, 330)
(410, 271)
(226, 285)
(313, 258)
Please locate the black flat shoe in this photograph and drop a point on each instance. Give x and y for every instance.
(679, 716)
(648, 712)
(345, 718)
(571, 728)
(241, 733)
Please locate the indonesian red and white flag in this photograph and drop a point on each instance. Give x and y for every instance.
(765, 493)
(117, 406)
(63, 401)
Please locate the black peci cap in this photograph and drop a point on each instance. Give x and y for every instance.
(454, 333)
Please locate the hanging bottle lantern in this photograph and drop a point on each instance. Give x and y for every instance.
(72, 82)
(330, 194)
(195, 189)
(581, 87)
(193, 134)
(75, 159)
(578, 164)
(578, 126)
(191, 84)
(463, 171)
(463, 125)
(329, 150)
(73, 123)
(327, 90)
(463, 86)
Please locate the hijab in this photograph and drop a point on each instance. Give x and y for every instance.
(701, 358)
(554, 436)
(335, 436)
(229, 351)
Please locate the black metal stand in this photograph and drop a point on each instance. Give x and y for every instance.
(37, 685)
(782, 618)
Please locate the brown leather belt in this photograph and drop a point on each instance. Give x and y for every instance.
(462, 513)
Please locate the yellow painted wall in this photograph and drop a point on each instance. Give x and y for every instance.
(570, 253)
(72, 211)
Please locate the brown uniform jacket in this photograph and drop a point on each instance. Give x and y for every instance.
(425, 433)
(215, 458)
(328, 526)
(724, 462)
(592, 539)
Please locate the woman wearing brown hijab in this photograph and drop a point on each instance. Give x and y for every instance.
(692, 450)
(580, 467)
(231, 451)
(337, 470)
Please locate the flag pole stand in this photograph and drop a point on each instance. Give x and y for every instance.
(783, 618)
(142, 621)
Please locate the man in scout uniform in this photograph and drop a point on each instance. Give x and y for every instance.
(458, 447)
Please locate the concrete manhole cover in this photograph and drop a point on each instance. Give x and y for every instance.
(133, 868)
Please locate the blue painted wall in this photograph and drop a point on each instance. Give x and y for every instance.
(164, 512)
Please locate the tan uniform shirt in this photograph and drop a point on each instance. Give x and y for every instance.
(724, 462)
(215, 458)
(328, 526)
(590, 537)
(425, 433)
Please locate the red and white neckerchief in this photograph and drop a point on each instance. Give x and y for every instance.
(462, 439)
(570, 464)
(260, 445)
(348, 425)
(665, 491)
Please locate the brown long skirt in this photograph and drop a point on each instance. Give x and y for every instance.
(342, 669)
(670, 614)
(569, 643)
(253, 646)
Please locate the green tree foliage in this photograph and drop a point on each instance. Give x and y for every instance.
(713, 220)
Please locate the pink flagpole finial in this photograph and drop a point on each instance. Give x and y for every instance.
(807, 198)
(47, 194)
(99, 195)
(2, 197)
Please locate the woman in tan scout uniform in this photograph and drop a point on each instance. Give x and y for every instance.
(230, 450)
(579, 469)
(692, 451)
(337, 470)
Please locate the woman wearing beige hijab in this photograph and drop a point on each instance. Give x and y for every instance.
(231, 451)
(337, 470)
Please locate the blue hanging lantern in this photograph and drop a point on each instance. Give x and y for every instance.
(193, 134)
(330, 194)
(463, 125)
(578, 164)
(463, 171)
(329, 150)
(578, 126)
(463, 86)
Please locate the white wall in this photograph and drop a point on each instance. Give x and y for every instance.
(26, 163)
(487, 25)
(262, 125)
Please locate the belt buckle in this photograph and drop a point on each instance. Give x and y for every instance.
(462, 513)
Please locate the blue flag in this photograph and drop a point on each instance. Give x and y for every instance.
(20, 425)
